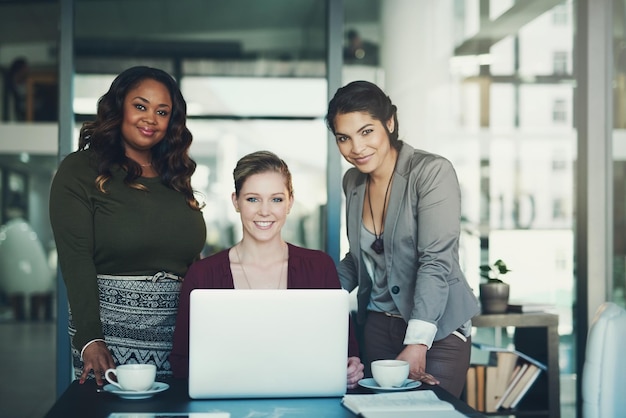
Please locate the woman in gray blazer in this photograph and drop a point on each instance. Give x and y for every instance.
(403, 210)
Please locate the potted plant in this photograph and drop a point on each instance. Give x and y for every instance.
(494, 293)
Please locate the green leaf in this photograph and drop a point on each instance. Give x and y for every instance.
(501, 266)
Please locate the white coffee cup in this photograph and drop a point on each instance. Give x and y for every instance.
(132, 377)
(390, 373)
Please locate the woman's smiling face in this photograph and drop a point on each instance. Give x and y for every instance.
(263, 203)
(362, 140)
(147, 112)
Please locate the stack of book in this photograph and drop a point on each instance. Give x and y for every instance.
(525, 307)
(503, 381)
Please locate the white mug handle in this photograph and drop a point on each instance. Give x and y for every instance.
(111, 381)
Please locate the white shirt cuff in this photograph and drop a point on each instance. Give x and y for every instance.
(85, 346)
(420, 332)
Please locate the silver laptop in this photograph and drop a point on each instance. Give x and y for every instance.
(268, 343)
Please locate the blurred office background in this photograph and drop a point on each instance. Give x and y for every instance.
(504, 89)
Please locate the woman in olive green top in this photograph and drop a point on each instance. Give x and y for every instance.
(127, 225)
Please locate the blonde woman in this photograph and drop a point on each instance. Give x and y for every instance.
(263, 197)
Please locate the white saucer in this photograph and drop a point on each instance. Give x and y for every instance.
(129, 394)
(407, 385)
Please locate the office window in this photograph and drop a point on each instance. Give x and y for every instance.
(559, 111)
(560, 15)
(559, 165)
(559, 61)
(559, 209)
(254, 77)
(489, 108)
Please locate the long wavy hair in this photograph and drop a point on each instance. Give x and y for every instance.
(170, 157)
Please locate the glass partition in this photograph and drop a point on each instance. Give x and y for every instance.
(487, 84)
(253, 76)
(618, 287)
(490, 86)
(28, 145)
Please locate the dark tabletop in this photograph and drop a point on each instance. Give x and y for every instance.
(87, 401)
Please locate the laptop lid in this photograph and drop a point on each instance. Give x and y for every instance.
(268, 343)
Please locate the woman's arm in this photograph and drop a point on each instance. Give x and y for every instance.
(438, 227)
(347, 271)
(71, 217)
(212, 272)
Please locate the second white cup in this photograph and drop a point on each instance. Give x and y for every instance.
(132, 377)
(390, 373)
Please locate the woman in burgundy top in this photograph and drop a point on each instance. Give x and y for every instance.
(262, 259)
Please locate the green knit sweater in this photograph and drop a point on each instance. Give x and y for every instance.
(122, 232)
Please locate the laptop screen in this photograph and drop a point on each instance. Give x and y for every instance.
(268, 343)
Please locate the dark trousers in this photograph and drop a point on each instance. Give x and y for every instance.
(447, 360)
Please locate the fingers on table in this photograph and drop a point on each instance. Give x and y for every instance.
(424, 377)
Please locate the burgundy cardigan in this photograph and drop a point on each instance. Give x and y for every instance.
(307, 269)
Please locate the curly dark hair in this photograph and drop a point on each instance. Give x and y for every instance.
(363, 96)
(170, 157)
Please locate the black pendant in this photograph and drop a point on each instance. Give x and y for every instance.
(378, 245)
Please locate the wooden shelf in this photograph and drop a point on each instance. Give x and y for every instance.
(537, 335)
(35, 79)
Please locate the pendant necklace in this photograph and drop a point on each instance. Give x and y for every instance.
(245, 276)
(139, 164)
(378, 244)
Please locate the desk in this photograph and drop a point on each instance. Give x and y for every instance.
(526, 341)
(84, 401)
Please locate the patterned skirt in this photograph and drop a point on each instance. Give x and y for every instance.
(138, 315)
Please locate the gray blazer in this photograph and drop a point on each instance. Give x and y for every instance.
(421, 239)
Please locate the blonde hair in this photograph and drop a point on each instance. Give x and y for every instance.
(260, 162)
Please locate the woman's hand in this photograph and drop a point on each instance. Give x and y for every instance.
(415, 354)
(96, 357)
(355, 371)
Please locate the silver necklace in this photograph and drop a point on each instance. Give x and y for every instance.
(245, 276)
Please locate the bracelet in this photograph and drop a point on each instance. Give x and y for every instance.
(85, 346)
